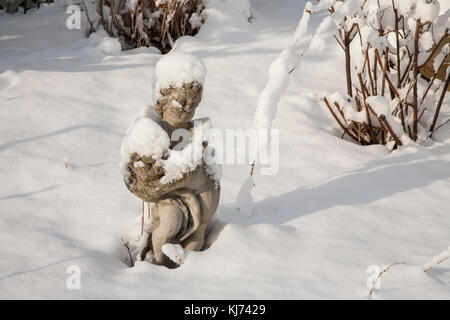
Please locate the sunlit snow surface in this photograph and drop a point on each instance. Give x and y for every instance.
(333, 210)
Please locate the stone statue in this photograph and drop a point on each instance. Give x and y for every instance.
(184, 204)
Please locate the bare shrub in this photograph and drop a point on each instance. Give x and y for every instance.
(139, 23)
(386, 43)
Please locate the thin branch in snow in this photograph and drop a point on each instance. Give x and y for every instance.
(337, 40)
(385, 123)
(253, 168)
(431, 266)
(441, 125)
(339, 121)
(438, 107)
(125, 244)
(437, 260)
(381, 273)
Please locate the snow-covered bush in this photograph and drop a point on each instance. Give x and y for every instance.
(386, 45)
(139, 23)
(11, 6)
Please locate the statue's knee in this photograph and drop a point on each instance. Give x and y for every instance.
(170, 217)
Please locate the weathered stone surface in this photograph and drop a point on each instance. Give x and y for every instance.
(183, 207)
(176, 106)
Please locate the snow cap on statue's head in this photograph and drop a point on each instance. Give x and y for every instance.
(176, 69)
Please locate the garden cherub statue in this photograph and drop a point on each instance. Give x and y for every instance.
(173, 174)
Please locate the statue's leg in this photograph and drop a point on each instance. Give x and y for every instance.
(195, 242)
(209, 201)
(192, 205)
(170, 221)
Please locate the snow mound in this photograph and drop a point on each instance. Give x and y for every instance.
(175, 252)
(244, 200)
(110, 46)
(146, 138)
(103, 42)
(427, 10)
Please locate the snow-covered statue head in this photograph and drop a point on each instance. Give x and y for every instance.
(184, 188)
(178, 89)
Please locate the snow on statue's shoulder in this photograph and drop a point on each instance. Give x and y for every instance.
(146, 138)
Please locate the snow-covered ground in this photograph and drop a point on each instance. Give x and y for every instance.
(334, 209)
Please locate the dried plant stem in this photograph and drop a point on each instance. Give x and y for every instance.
(385, 77)
(339, 121)
(91, 26)
(440, 126)
(375, 74)
(381, 273)
(395, 67)
(389, 129)
(369, 73)
(347, 41)
(435, 264)
(383, 74)
(416, 73)
(125, 244)
(340, 44)
(372, 136)
(397, 45)
(438, 107)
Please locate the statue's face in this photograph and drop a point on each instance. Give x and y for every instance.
(176, 106)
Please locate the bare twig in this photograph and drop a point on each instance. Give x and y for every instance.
(125, 244)
(339, 42)
(91, 26)
(440, 126)
(381, 273)
(434, 264)
(438, 107)
(347, 41)
(389, 129)
(416, 73)
(397, 45)
(339, 121)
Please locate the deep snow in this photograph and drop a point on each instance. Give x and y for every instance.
(333, 210)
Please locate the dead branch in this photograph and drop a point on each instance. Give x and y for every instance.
(440, 261)
(386, 124)
(338, 121)
(416, 73)
(381, 273)
(125, 244)
(438, 107)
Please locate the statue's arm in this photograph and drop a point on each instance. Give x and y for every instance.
(160, 190)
